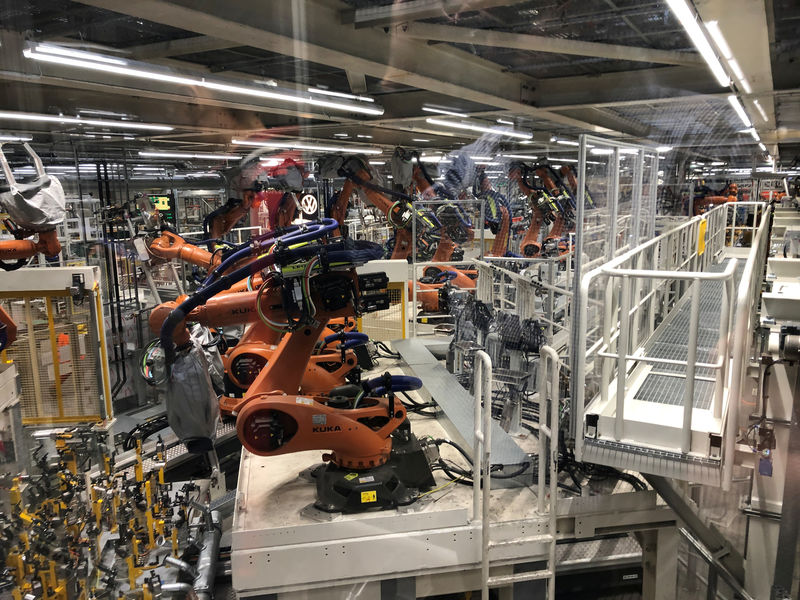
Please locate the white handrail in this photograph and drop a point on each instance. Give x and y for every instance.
(547, 354)
(679, 247)
(481, 452)
(745, 310)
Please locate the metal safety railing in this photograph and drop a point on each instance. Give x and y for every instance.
(547, 483)
(747, 303)
(643, 290)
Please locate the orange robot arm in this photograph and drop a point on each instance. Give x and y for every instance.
(339, 208)
(530, 245)
(8, 329)
(221, 221)
(47, 244)
(423, 185)
(170, 245)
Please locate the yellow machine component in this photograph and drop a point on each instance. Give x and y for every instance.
(69, 510)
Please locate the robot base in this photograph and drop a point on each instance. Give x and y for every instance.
(396, 483)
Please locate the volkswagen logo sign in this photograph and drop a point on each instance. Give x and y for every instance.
(308, 204)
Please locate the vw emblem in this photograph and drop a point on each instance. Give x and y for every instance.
(308, 204)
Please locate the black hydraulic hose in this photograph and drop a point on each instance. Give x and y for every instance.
(359, 251)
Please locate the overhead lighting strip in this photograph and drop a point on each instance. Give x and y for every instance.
(737, 106)
(106, 64)
(688, 19)
(25, 116)
(502, 131)
(201, 156)
(289, 145)
(716, 34)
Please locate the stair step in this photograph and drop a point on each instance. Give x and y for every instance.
(503, 580)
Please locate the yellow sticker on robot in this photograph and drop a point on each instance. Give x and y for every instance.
(351, 476)
(369, 497)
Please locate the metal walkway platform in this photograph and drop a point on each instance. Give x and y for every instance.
(456, 402)
(671, 342)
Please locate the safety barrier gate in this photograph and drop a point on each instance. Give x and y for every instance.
(654, 347)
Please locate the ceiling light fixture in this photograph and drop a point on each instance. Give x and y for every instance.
(97, 62)
(200, 156)
(737, 106)
(377, 162)
(688, 19)
(762, 146)
(505, 122)
(719, 40)
(520, 156)
(761, 110)
(286, 144)
(567, 143)
(15, 138)
(419, 140)
(443, 111)
(325, 92)
(755, 135)
(481, 129)
(24, 116)
(664, 149)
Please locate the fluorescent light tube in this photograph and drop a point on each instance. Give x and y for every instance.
(377, 162)
(687, 18)
(663, 148)
(762, 146)
(755, 135)
(520, 156)
(419, 140)
(505, 122)
(203, 156)
(307, 146)
(761, 110)
(78, 54)
(15, 138)
(23, 116)
(97, 62)
(719, 39)
(314, 90)
(567, 143)
(443, 111)
(737, 106)
(480, 128)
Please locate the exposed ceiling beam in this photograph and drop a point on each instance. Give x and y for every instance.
(375, 16)
(656, 83)
(540, 43)
(327, 42)
(191, 45)
(357, 82)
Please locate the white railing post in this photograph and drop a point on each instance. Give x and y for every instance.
(547, 354)
(481, 482)
(623, 342)
(691, 365)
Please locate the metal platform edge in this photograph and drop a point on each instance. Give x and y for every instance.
(456, 402)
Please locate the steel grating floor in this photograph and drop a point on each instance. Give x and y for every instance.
(671, 342)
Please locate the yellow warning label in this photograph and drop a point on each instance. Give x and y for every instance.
(701, 237)
(369, 497)
(351, 476)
